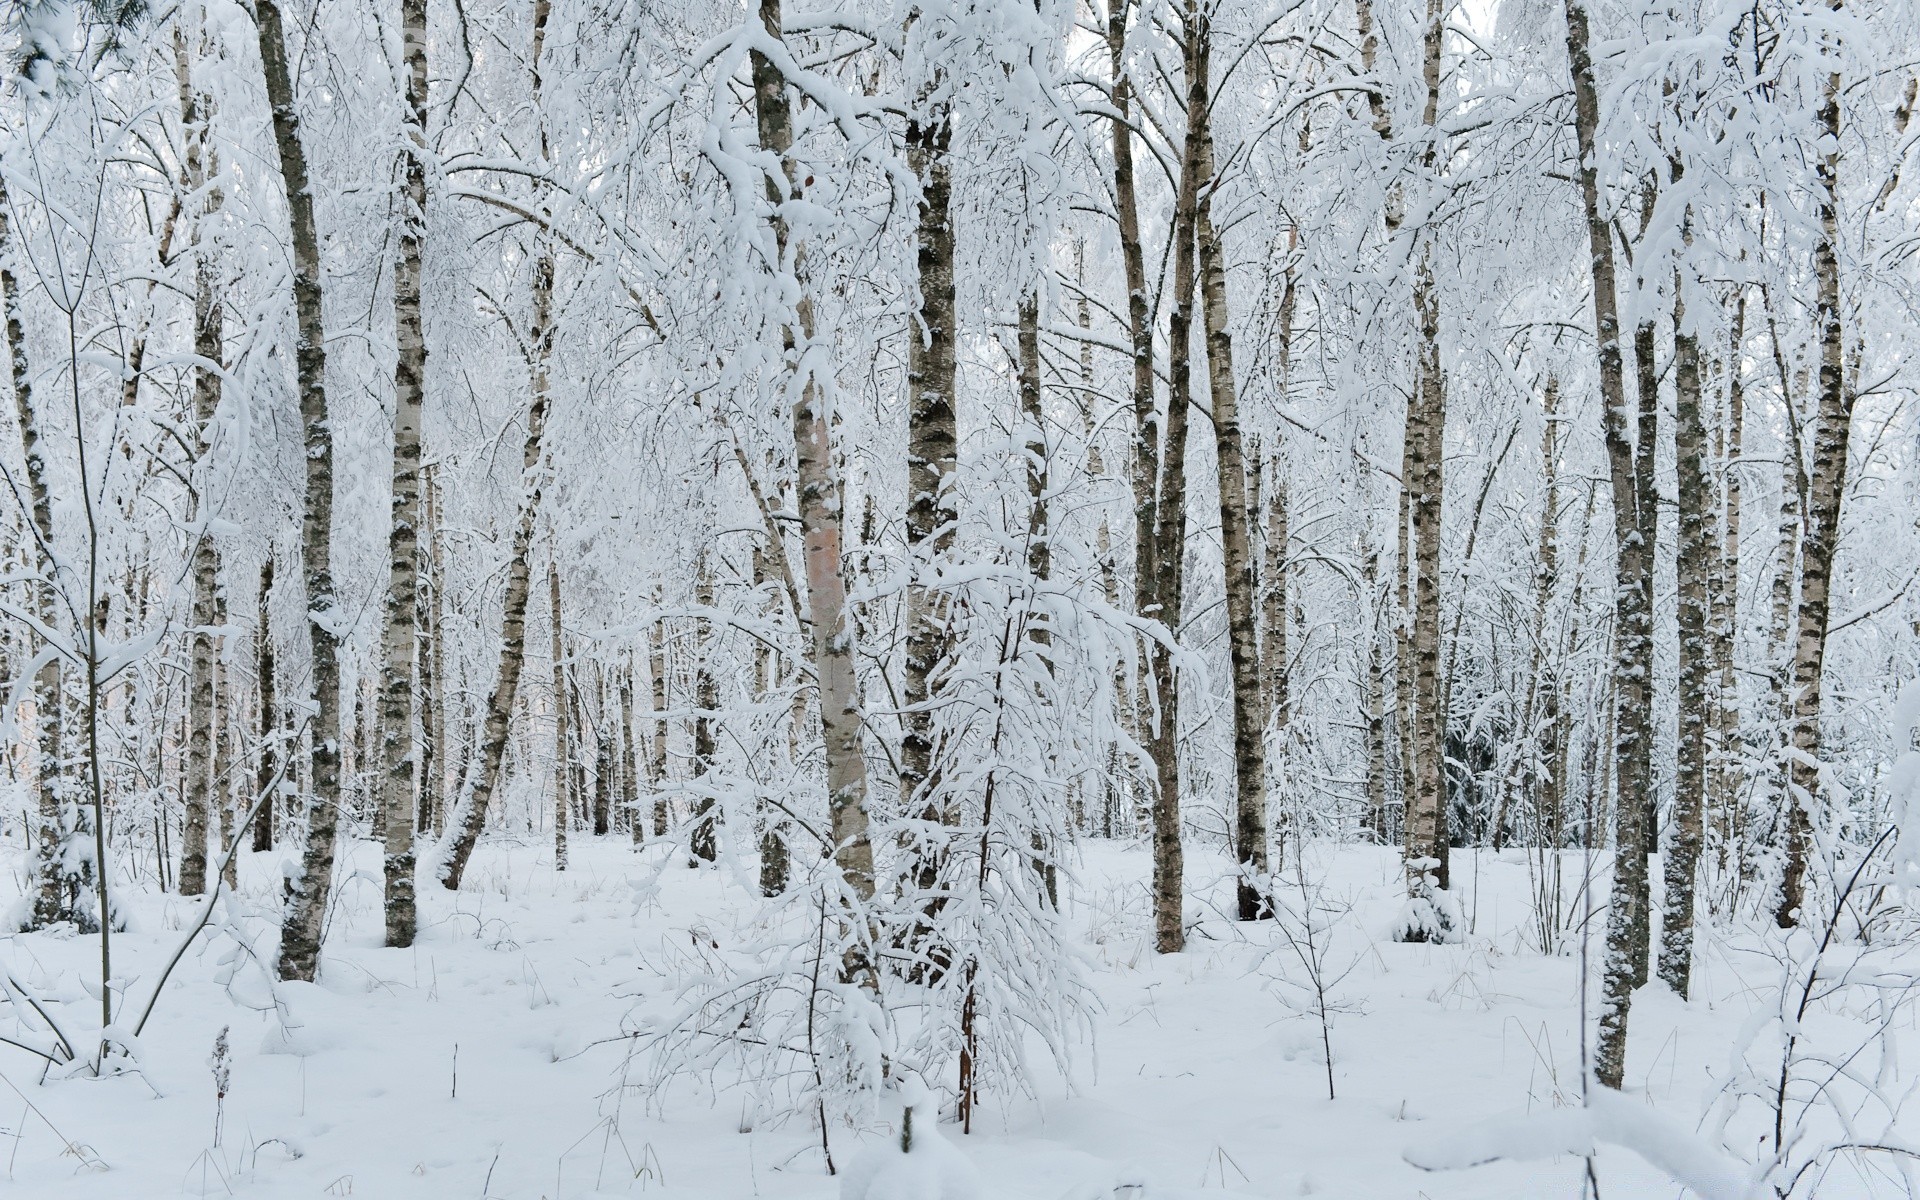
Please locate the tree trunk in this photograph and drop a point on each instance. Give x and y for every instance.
(1696, 553)
(602, 758)
(1426, 812)
(820, 511)
(1826, 488)
(703, 834)
(427, 661)
(266, 773)
(1632, 614)
(629, 758)
(200, 789)
(1236, 537)
(308, 889)
(1725, 594)
(931, 447)
(562, 741)
(395, 779)
(657, 759)
(1170, 526)
(1146, 414)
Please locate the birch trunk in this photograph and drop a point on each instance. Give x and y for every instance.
(931, 449)
(513, 617)
(53, 898)
(307, 890)
(703, 835)
(396, 774)
(657, 758)
(1696, 553)
(1629, 682)
(1170, 524)
(629, 759)
(1726, 602)
(1426, 814)
(271, 751)
(1146, 414)
(602, 757)
(562, 741)
(820, 510)
(1236, 540)
(1826, 489)
(200, 789)
(427, 659)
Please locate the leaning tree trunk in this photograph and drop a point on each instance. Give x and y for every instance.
(1632, 633)
(820, 512)
(513, 620)
(53, 898)
(307, 890)
(1236, 537)
(1696, 554)
(1170, 525)
(1826, 487)
(513, 617)
(396, 776)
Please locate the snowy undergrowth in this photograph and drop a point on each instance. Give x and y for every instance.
(491, 1059)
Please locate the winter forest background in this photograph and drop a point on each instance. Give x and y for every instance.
(1272, 596)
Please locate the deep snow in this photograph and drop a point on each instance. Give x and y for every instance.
(485, 1061)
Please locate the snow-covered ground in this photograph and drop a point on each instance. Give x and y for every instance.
(486, 1060)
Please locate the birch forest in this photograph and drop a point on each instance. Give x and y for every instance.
(960, 599)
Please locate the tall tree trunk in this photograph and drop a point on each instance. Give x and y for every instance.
(1696, 554)
(195, 113)
(657, 758)
(226, 761)
(427, 662)
(266, 773)
(1236, 535)
(1146, 413)
(53, 897)
(774, 857)
(603, 743)
(1033, 412)
(932, 440)
(932, 444)
(1426, 815)
(1039, 533)
(1826, 488)
(820, 511)
(1170, 526)
(1632, 613)
(308, 889)
(562, 741)
(629, 758)
(513, 617)
(1725, 594)
(1643, 825)
(703, 834)
(1375, 685)
(396, 776)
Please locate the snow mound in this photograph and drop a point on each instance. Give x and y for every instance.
(918, 1164)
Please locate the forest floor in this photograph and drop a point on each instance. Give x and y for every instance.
(486, 1061)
